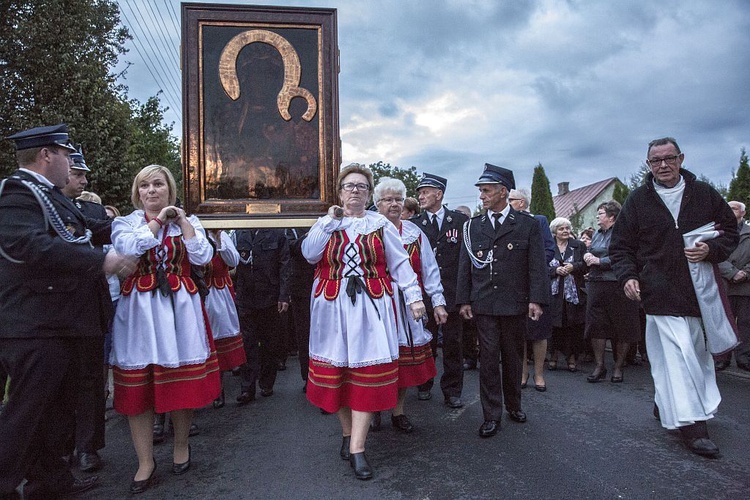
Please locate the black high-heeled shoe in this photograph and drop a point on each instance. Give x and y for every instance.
(362, 469)
(179, 469)
(596, 377)
(141, 486)
(219, 402)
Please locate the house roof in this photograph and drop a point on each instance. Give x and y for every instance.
(566, 204)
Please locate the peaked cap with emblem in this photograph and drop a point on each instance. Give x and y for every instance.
(497, 175)
(78, 162)
(432, 180)
(52, 135)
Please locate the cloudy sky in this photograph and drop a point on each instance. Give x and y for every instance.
(580, 86)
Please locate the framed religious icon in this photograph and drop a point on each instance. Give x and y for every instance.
(260, 114)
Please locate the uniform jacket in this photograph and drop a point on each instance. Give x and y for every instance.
(738, 261)
(302, 273)
(447, 245)
(647, 243)
(57, 290)
(517, 273)
(262, 277)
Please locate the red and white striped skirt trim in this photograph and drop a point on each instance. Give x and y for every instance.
(370, 388)
(231, 352)
(415, 367)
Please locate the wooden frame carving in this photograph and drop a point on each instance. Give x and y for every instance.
(261, 141)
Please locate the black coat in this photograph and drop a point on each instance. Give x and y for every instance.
(56, 291)
(575, 314)
(301, 273)
(517, 274)
(647, 244)
(264, 282)
(447, 245)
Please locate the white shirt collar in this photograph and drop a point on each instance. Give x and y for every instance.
(38, 177)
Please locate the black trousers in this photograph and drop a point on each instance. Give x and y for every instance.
(263, 347)
(90, 403)
(452, 381)
(300, 308)
(40, 409)
(501, 339)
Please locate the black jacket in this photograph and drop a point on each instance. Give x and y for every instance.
(575, 314)
(447, 245)
(517, 274)
(263, 282)
(647, 244)
(301, 273)
(57, 290)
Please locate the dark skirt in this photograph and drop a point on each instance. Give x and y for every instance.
(542, 329)
(610, 314)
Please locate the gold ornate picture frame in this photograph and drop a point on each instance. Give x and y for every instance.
(261, 141)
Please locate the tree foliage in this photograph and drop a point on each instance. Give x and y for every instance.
(620, 192)
(739, 186)
(55, 62)
(541, 195)
(407, 175)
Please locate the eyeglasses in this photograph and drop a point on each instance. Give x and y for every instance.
(388, 201)
(349, 186)
(515, 199)
(669, 160)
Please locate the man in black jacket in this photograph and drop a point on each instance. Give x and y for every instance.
(443, 229)
(45, 259)
(502, 280)
(262, 286)
(650, 260)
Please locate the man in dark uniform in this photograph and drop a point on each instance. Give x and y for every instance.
(45, 258)
(301, 277)
(88, 436)
(443, 229)
(502, 280)
(262, 286)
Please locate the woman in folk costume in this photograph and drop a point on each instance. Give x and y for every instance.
(415, 362)
(353, 330)
(163, 359)
(220, 307)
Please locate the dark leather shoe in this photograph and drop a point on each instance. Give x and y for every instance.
(454, 402)
(141, 486)
(81, 485)
(179, 469)
(344, 452)
(219, 402)
(616, 380)
(375, 422)
(596, 377)
(470, 364)
(245, 397)
(489, 428)
(702, 446)
(424, 395)
(517, 416)
(266, 392)
(89, 461)
(402, 423)
(362, 469)
(721, 365)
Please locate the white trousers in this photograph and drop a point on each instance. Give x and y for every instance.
(683, 370)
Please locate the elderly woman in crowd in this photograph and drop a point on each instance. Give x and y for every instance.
(354, 348)
(163, 359)
(411, 208)
(415, 362)
(568, 309)
(609, 313)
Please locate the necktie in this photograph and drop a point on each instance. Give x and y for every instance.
(498, 221)
(435, 223)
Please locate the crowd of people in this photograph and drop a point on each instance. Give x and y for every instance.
(367, 293)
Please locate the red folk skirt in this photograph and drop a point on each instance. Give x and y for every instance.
(231, 352)
(367, 389)
(415, 366)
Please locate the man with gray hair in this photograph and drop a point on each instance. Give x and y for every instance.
(650, 261)
(736, 272)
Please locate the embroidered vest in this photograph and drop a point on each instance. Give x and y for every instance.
(177, 269)
(216, 274)
(330, 271)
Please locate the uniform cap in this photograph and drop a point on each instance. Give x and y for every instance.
(52, 135)
(78, 161)
(432, 180)
(497, 175)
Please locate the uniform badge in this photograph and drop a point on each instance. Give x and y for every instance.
(424, 222)
(452, 235)
(480, 253)
(449, 218)
(510, 246)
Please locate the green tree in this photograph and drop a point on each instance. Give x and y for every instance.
(637, 179)
(407, 175)
(620, 192)
(739, 186)
(541, 196)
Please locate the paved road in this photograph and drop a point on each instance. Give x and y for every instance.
(582, 441)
